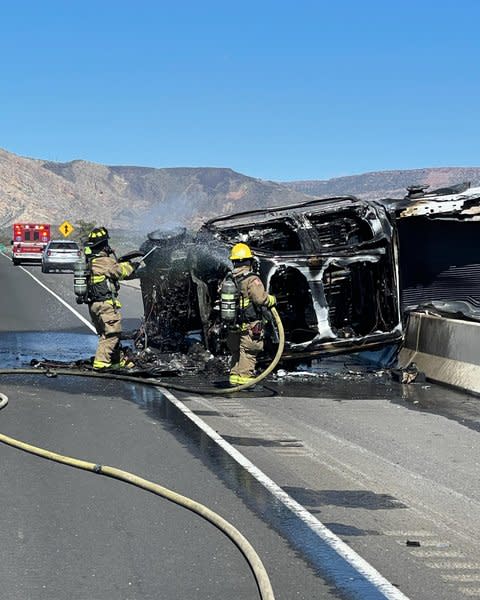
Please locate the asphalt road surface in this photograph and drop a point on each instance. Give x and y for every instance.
(73, 534)
(390, 469)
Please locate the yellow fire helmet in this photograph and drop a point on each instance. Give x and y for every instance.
(241, 252)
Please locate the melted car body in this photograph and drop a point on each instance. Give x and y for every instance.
(331, 263)
(439, 250)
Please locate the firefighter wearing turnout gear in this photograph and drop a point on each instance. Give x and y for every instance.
(245, 341)
(105, 272)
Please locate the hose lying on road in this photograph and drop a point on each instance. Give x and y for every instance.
(254, 561)
(256, 565)
(160, 382)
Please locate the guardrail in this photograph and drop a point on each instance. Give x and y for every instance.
(446, 350)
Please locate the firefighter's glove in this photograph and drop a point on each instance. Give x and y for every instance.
(137, 269)
(137, 266)
(271, 301)
(257, 331)
(140, 269)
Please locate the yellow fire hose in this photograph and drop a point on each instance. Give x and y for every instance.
(254, 561)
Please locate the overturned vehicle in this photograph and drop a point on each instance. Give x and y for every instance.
(439, 258)
(331, 263)
(439, 251)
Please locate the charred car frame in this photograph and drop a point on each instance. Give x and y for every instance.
(331, 263)
(439, 251)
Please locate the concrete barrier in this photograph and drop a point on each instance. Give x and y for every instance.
(446, 350)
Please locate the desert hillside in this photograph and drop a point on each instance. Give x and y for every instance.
(144, 199)
(387, 184)
(127, 197)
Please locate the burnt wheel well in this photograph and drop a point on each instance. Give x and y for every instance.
(295, 304)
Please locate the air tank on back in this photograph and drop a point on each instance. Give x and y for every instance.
(80, 277)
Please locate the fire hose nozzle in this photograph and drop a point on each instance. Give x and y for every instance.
(137, 254)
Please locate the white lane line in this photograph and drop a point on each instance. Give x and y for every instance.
(409, 533)
(462, 577)
(437, 554)
(469, 592)
(365, 569)
(449, 565)
(70, 308)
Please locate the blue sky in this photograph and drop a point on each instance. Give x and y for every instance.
(275, 90)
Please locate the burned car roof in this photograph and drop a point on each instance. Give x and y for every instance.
(320, 204)
(312, 227)
(331, 263)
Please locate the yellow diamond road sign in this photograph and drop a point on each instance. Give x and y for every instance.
(66, 228)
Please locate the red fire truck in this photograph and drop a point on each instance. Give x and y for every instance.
(29, 241)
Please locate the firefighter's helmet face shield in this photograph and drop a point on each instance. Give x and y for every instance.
(244, 262)
(97, 247)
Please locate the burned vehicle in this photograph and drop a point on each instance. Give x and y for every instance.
(439, 251)
(331, 263)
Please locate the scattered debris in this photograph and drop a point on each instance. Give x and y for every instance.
(154, 363)
(409, 374)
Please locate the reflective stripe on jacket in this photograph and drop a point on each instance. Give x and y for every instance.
(106, 272)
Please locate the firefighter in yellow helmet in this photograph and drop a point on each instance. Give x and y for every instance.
(103, 304)
(246, 341)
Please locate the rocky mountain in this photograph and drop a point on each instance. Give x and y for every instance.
(138, 198)
(144, 199)
(387, 184)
